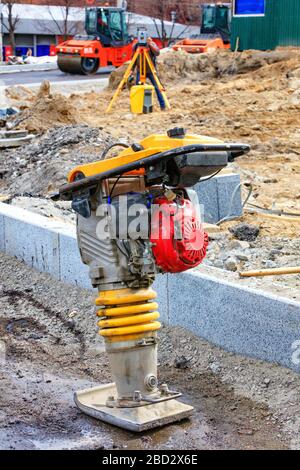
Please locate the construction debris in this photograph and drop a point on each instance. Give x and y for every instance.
(245, 232)
(14, 138)
(5, 113)
(219, 64)
(41, 167)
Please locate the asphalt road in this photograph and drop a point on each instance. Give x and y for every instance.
(25, 78)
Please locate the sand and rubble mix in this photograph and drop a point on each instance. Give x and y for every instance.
(252, 97)
(49, 346)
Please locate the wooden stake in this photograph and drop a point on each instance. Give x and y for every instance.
(271, 272)
(283, 218)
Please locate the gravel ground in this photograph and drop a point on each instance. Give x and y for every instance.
(49, 348)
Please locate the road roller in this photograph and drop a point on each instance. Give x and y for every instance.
(106, 43)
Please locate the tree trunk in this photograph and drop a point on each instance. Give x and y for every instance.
(66, 26)
(12, 41)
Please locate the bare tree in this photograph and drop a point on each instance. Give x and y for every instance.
(161, 7)
(65, 27)
(10, 21)
(165, 10)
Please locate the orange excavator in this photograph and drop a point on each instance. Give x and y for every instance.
(106, 43)
(214, 30)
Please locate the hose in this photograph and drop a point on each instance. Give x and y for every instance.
(278, 212)
(210, 177)
(258, 209)
(116, 144)
(104, 155)
(231, 217)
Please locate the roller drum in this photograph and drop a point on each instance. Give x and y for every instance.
(76, 64)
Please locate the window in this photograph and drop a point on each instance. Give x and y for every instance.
(249, 7)
(91, 20)
(209, 17)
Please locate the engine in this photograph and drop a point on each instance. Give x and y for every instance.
(177, 236)
(140, 235)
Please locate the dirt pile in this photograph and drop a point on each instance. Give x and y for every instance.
(174, 67)
(20, 96)
(178, 66)
(44, 111)
(116, 77)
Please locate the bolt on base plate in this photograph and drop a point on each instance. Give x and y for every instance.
(93, 402)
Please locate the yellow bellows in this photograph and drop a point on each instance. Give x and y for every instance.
(128, 313)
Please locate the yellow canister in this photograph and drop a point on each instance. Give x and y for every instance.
(141, 99)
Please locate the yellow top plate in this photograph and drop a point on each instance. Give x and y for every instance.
(152, 145)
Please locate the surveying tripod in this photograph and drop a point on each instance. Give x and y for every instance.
(142, 55)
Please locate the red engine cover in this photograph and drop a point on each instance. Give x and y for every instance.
(177, 236)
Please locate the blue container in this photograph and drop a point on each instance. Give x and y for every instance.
(43, 49)
(21, 51)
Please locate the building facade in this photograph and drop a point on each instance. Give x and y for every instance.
(265, 24)
(41, 26)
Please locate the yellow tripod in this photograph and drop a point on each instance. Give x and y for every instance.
(141, 55)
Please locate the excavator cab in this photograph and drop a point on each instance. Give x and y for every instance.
(108, 24)
(214, 30)
(216, 20)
